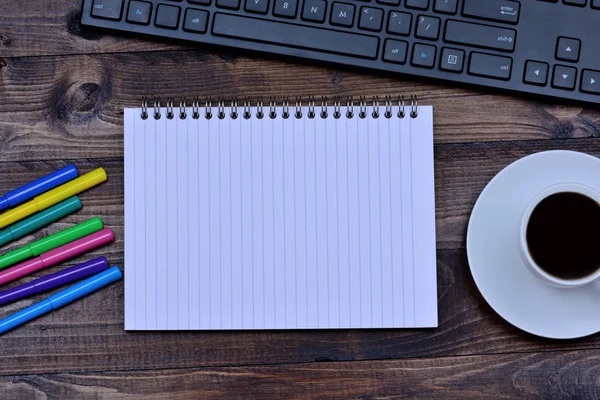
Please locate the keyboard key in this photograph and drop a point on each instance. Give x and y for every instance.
(480, 35)
(306, 37)
(395, 51)
(428, 27)
(490, 66)
(231, 4)
(200, 2)
(499, 10)
(445, 6)
(567, 49)
(107, 9)
(389, 2)
(257, 6)
(564, 77)
(314, 10)
(590, 81)
(342, 14)
(139, 12)
(195, 20)
(285, 8)
(167, 16)
(536, 73)
(399, 23)
(423, 55)
(370, 19)
(453, 60)
(580, 3)
(417, 4)
(596, 4)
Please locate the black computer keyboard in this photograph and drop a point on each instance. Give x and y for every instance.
(542, 47)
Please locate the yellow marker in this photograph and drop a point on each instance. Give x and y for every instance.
(53, 197)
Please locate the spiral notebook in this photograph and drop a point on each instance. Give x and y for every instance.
(279, 217)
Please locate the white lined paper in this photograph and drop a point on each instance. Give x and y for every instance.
(279, 223)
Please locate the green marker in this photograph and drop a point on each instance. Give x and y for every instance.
(40, 220)
(51, 242)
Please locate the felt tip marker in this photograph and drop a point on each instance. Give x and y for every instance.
(61, 298)
(53, 197)
(29, 191)
(58, 255)
(40, 220)
(51, 242)
(54, 280)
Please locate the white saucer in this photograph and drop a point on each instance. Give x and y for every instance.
(521, 297)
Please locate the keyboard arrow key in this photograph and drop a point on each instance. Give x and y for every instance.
(589, 81)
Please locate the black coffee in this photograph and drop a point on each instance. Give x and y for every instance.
(563, 235)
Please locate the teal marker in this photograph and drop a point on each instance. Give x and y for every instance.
(40, 220)
(61, 298)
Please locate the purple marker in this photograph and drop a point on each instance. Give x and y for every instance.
(54, 280)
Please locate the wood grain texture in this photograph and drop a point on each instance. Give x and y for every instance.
(89, 336)
(62, 93)
(51, 27)
(72, 106)
(558, 375)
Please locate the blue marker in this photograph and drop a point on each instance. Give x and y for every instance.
(61, 298)
(29, 191)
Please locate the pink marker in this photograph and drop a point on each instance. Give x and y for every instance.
(58, 255)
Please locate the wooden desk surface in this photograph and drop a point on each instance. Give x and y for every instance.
(62, 94)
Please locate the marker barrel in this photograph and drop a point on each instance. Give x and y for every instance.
(54, 280)
(51, 242)
(40, 220)
(39, 186)
(53, 197)
(61, 298)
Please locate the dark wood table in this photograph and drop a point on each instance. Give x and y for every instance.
(62, 94)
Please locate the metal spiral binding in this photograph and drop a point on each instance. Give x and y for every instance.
(298, 113)
(350, 108)
(323, 107)
(375, 113)
(414, 107)
(259, 109)
(182, 107)
(144, 108)
(362, 113)
(388, 107)
(221, 109)
(363, 106)
(156, 108)
(311, 107)
(286, 108)
(208, 109)
(196, 108)
(170, 113)
(247, 113)
(336, 109)
(234, 108)
(272, 108)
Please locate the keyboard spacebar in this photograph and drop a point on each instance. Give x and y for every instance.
(300, 36)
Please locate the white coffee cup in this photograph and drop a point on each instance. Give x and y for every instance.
(559, 188)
